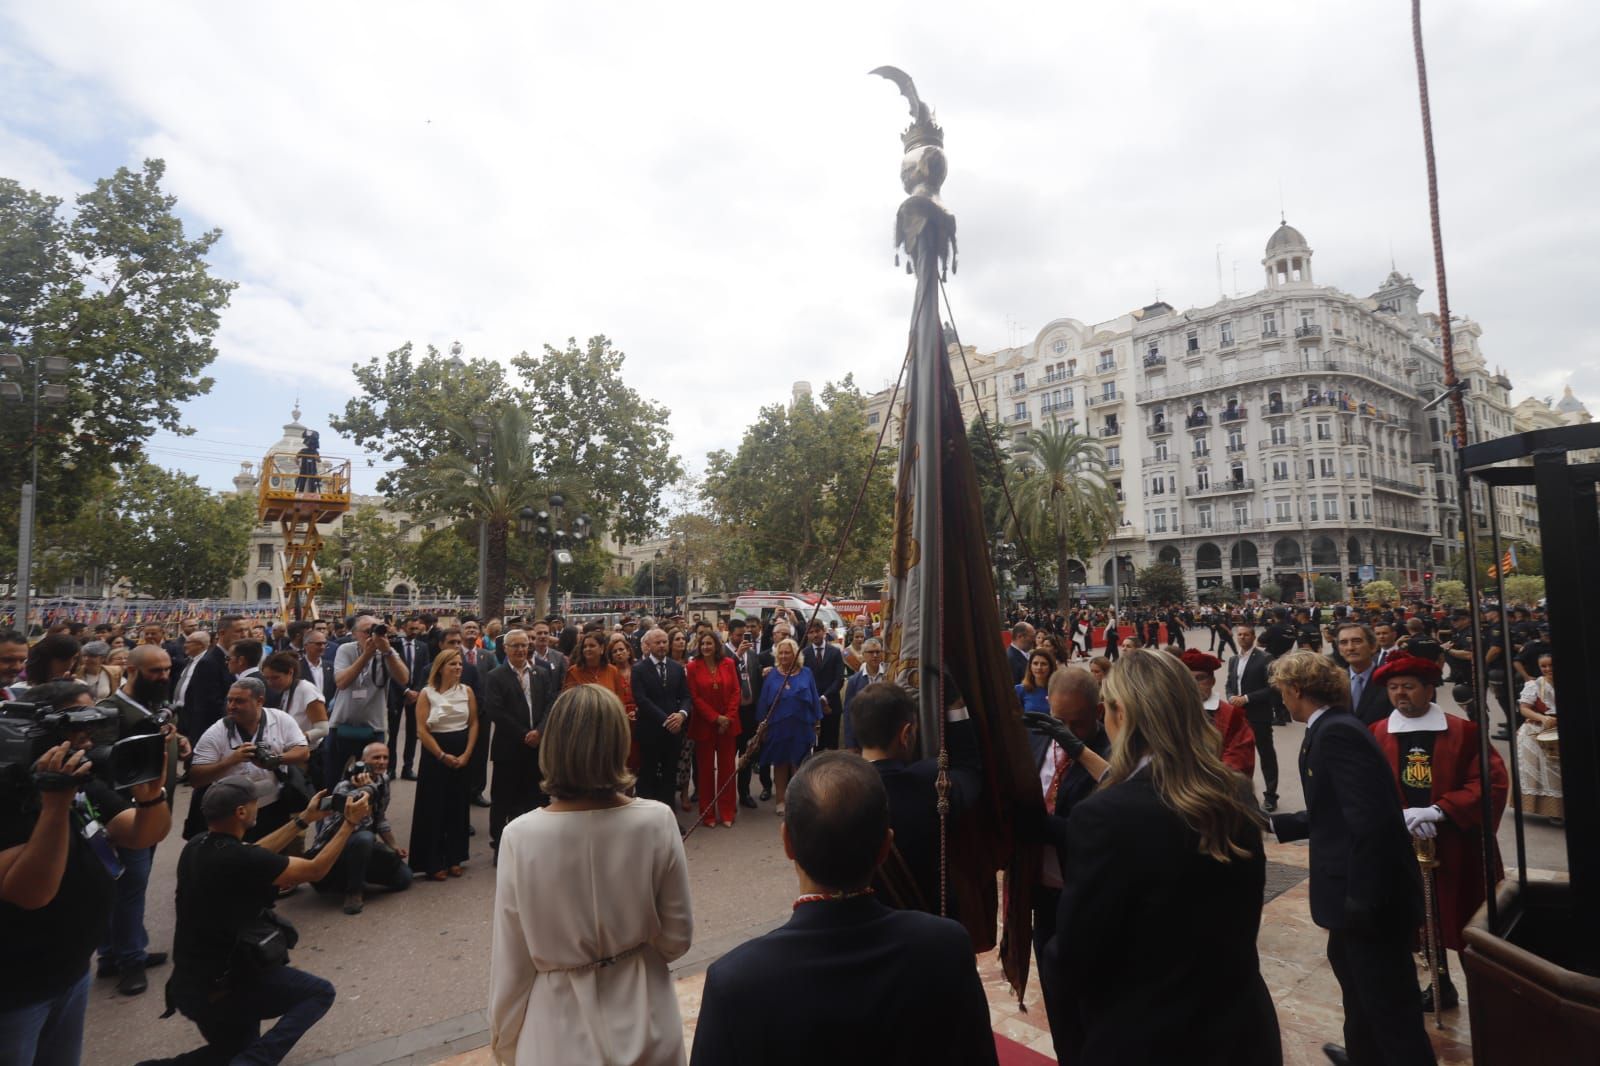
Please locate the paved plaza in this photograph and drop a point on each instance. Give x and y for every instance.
(412, 970)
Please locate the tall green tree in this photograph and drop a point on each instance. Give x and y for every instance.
(787, 493)
(1064, 498)
(119, 288)
(378, 548)
(1162, 583)
(167, 536)
(445, 561)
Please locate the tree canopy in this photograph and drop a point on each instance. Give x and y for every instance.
(1063, 498)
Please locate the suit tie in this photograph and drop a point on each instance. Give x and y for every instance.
(661, 669)
(1356, 687)
(1063, 763)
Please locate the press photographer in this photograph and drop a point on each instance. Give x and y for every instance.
(372, 856)
(230, 950)
(259, 745)
(61, 823)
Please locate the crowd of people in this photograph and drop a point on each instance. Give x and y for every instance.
(288, 737)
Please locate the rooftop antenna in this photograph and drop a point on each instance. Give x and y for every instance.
(1392, 268)
(1220, 291)
(1283, 217)
(1236, 277)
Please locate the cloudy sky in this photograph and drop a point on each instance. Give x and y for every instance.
(714, 187)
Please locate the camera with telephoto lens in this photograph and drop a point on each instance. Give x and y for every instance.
(28, 730)
(266, 756)
(357, 768)
(335, 801)
(379, 629)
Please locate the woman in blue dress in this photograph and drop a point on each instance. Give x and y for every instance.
(1034, 692)
(796, 708)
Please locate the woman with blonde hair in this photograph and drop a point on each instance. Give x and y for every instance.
(447, 727)
(1164, 875)
(591, 904)
(790, 707)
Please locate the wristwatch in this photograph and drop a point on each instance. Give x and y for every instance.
(301, 823)
(145, 805)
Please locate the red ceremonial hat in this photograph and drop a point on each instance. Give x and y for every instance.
(1408, 666)
(1199, 662)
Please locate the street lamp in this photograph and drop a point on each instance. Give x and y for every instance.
(654, 567)
(480, 429)
(347, 574)
(50, 393)
(545, 525)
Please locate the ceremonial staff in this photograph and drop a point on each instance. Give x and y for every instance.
(1428, 859)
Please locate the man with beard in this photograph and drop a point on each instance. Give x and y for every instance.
(144, 691)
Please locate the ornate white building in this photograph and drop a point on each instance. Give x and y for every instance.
(1276, 436)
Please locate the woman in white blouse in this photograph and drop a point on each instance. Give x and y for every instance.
(1541, 777)
(447, 727)
(591, 904)
(299, 699)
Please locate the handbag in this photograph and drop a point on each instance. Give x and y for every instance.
(295, 787)
(262, 944)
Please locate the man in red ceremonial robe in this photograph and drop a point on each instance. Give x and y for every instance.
(1435, 758)
(1238, 738)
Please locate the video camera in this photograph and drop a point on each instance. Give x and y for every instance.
(28, 730)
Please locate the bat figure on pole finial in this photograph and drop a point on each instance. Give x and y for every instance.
(922, 223)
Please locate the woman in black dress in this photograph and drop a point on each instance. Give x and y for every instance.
(1154, 957)
(447, 726)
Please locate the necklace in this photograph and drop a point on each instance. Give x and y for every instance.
(830, 897)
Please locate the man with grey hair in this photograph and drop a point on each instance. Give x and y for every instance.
(661, 690)
(873, 669)
(363, 669)
(256, 744)
(1020, 651)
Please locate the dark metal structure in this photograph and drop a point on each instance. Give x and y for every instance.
(1533, 951)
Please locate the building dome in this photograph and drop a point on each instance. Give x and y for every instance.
(1286, 239)
(1570, 404)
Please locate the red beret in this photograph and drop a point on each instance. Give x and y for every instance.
(1199, 662)
(1409, 666)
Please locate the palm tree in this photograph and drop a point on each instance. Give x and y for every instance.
(1063, 497)
(488, 482)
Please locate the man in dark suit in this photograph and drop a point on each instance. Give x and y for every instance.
(900, 986)
(516, 700)
(872, 671)
(547, 657)
(826, 663)
(1249, 690)
(886, 725)
(1020, 649)
(414, 651)
(1365, 887)
(1358, 648)
(661, 691)
(311, 668)
(742, 650)
(205, 697)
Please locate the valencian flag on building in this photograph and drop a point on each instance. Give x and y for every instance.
(942, 618)
(1507, 563)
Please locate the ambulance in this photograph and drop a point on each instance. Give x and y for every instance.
(758, 607)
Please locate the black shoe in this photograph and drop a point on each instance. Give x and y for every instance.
(1269, 803)
(1336, 1054)
(132, 982)
(1449, 998)
(408, 774)
(766, 794)
(747, 800)
(353, 903)
(107, 968)
(480, 800)
(1500, 734)
(391, 775)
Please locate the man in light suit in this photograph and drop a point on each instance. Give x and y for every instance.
(1366, 890)
(661, 690)
(826, 663)
(1249, 690)
(517, 698)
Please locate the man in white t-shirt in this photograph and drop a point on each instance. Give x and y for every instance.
(255, 743)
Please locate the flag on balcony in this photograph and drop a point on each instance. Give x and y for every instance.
(1507, 564)
(942, 624)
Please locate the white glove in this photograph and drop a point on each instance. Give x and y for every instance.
(1420, 821)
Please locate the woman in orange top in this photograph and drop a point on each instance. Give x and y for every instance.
(714, 728)
(589, 667)
(619, 653)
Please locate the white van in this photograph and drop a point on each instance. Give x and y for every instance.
(757, 608)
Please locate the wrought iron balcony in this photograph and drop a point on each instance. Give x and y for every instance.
(1302, 332)
(1111, 397)
(1234, 414)
(1221, 487)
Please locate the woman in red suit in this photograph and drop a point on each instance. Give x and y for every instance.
(1238, 739)
(714, 728)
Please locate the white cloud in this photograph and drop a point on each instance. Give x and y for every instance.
(713, 186)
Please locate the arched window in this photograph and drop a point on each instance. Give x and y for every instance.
(1171, 556)
(402, 592)
(1208, 557)
(263, 590)
(1354, 548)
(1286, 553)
(1324, 552)
(1243, 556)
(1077, 573)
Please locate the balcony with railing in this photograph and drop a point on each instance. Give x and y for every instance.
(1218, 488)
(1199, 421)
(1049, 408)
(1287, 442)
(1112, 430)
(1055, 377)
(1237, 447)
(1017, 416)
(1016, 388)
(1307, 332)
(1392, 485)
(1278, 370)
(1106, 367)
(1277, 410)
(1234, 414)
(1271, 336)
(1160, 428)
(1249, 525)
(1152, 460)
(1106, 397)
(1114, 464)
(1154, 360)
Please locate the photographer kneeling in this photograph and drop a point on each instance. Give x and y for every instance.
(259, 745)
(372, 856)
(230, 951)
(59, 831)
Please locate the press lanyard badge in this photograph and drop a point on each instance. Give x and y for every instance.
(95, 834)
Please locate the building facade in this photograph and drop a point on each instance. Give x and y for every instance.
(1274, 437)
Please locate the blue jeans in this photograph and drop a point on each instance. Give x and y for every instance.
(126, 945)
(47, 1033)
(232, 1025)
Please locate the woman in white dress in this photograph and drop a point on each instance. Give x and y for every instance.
(298, 698)
(591, 904)
(1541, 778)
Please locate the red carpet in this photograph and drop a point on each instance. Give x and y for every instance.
(1014, 1054)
